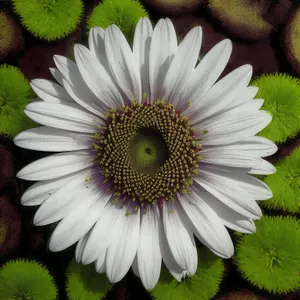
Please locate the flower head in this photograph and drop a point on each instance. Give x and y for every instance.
(22, 279)
(123, 13)
(271, 254)
(14, 95)
(83, 282)
(152, 151)
(49, 19)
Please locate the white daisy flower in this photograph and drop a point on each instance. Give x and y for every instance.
(152, 151)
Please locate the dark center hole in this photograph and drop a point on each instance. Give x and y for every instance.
(148, 150)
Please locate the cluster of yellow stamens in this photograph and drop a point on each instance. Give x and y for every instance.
(147, 152)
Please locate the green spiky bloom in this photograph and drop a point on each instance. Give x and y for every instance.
(26, 280)
(282, 100)
(15, 93)
(270, 258)
(84, 283)
(285, 184)
(49, 19)
(202, 286)
(123, 13)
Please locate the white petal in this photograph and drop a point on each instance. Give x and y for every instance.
(78, 221)
(250, 106)
(96, 77)
(63, 116)
(180, 238)
(122, 63)
(80, 247)
(141, 48)
(40, 191)
(256, 188)
(242, 102)
(229, 193)
(254, 146)
(121, 252)
(227, 130)
(221, 94)
(100, 264)
(263, 167)
(51, 139)
(102, 234)
(61, 202)
(148, 253)
(56, 165)
(168, 257)
(229, 217)
(50, 91)
(57, 75)
(206, 73)
(97, 46)
(162, 49)
(227, 157)
(135, 268)
(242, 97)
(182, 66)
(207, 225)
(76, 87)
(180, 276)
(237, 158)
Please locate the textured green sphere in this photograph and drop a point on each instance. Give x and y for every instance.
(123, 13)
(23, 279)
(286, 195)
(14, 95)
(282, 100)
(203, 285)
(83, 282)
(49, 19)
(271, 254)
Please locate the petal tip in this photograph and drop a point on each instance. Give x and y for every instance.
(21, 174)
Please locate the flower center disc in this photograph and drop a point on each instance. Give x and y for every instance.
(147, 152)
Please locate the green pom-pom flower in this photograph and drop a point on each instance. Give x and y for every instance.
(282, 100)
(84, 283)
(270, 258)
(49, 19)
(15, 93)
(285, 184)
(123, 13)
(203, 285)
(23, 279)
